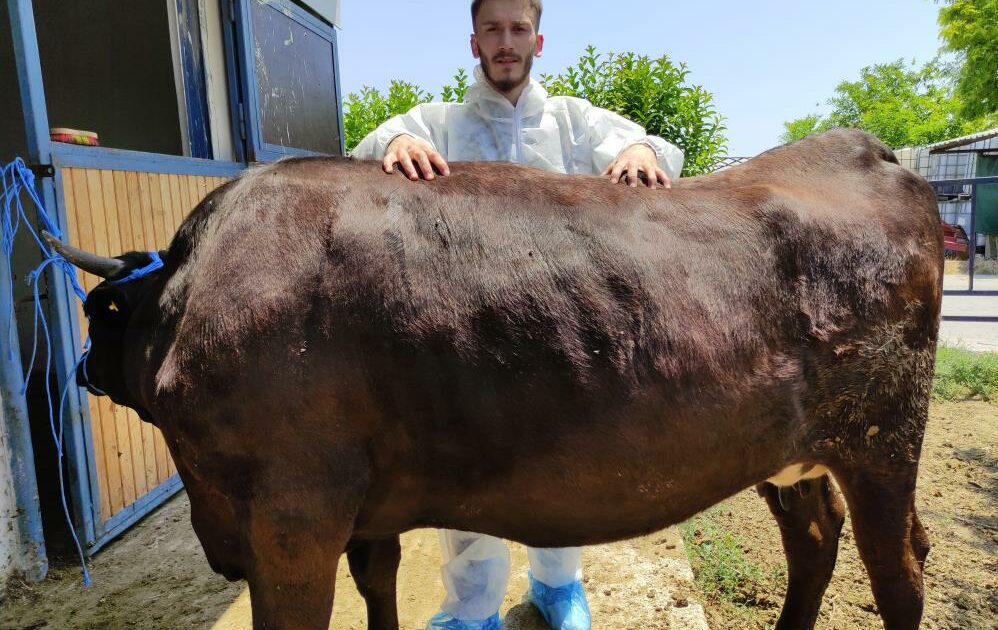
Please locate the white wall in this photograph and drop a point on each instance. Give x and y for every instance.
(9, 538)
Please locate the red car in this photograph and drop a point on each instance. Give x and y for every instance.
(955, 241)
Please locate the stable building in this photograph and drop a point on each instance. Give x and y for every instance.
(129, 113)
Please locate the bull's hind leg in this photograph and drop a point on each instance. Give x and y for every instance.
(374, 565)
(810, 515)
(890, 538)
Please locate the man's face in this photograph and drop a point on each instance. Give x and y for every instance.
(506, 42)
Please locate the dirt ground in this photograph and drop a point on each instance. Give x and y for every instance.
(958, 504)
(156, 576)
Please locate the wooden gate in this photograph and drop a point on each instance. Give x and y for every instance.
(110, 205)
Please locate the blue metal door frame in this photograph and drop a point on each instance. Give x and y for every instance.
(83, 488)
(64, 348)
(192, 69)
(65, 330)
(239, 44)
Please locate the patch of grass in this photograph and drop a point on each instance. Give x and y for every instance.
(719, 564)
(964, 374)
(982, 266)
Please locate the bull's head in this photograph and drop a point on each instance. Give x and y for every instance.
(109, 308)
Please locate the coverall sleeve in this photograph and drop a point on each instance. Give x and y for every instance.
(610, 133)
(414, 123)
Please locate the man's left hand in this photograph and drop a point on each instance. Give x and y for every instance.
(639, 158)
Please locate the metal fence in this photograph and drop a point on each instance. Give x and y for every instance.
(948, 188)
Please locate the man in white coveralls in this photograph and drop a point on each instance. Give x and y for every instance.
(508, 116)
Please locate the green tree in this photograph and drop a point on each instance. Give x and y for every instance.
(653, 93)
(363, 112)
(970, 28)
(455, 93)
(900, 104)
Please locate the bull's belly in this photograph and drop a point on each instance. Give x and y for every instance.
(571, 505)
(567, 474)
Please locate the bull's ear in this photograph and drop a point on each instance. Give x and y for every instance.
(109, 306)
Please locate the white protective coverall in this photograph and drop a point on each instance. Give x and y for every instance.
(561, 134)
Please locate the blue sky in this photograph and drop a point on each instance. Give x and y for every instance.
(766, 61)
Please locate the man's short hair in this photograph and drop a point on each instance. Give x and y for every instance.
(536, 5)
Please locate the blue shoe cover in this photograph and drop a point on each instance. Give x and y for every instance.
(449, 622)
(563, 608)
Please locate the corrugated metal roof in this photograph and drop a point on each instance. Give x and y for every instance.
(945, 145)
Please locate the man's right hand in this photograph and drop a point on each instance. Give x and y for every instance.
(409, 153)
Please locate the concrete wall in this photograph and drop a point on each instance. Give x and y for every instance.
(10, 544)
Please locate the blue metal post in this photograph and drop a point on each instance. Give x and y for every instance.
(34, 562)
(65, 335)
(32, 559)
(972, 245)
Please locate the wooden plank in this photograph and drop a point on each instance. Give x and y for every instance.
(162, 458)
(152, 238)
(72, 232)
(125, 235)
(102, 423)
(135, 210)
(128, 205)
(166, 199)
(84, 216)
(163, 215)
(72, 235)
(113, 421)
(175, 203)
(188, 190)
(138, 198)
(202, 188)
(84, 219)
(160, 224)
(192, 181)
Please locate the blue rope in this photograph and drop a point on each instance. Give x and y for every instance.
(155, 263)
(17, 178)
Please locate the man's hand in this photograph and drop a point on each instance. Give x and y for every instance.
(409, 152)
(637, 158)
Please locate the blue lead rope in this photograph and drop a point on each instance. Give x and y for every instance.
(155, 264)
(17, 178)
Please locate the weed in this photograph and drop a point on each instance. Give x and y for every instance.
(719, 564)
(964, 374)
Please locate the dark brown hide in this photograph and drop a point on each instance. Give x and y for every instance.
(334, 354)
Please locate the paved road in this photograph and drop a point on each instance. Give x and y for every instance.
(977, 336)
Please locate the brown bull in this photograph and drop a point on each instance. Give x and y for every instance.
(336, 356)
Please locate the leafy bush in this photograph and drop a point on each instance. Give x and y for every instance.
(653, 93)
(363, 112)
(964, 374)
(455, 93)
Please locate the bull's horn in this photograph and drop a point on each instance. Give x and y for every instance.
(91, 263)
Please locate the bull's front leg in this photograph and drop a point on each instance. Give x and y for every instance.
(295, 542)
(374, 565)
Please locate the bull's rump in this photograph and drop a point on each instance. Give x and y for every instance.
(501, 322)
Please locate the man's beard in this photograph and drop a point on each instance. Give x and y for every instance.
(507, 85)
